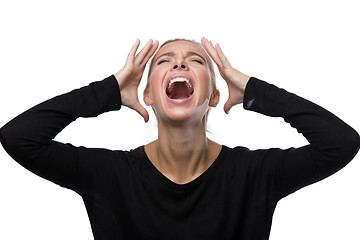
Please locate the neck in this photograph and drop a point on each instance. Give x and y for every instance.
(182, 153)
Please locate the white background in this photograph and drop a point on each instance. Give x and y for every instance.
(308, 47)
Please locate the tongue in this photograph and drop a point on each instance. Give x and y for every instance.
(179, 91)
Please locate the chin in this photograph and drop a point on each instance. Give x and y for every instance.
(181, 115)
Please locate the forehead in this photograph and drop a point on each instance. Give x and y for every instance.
(179, 47)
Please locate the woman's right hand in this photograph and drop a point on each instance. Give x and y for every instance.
(130, 75)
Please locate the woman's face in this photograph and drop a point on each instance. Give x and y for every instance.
(180, 87)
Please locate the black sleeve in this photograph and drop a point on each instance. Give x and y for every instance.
(28, 137)
(332, 143)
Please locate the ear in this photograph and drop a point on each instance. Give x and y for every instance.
(214, 98)
(147, 98)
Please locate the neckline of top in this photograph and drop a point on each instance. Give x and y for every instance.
(166, 181)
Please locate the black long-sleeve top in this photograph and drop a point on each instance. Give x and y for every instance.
(126, 197)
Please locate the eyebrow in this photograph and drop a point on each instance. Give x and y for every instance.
(188, 54)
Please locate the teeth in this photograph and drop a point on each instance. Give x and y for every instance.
(179, 79)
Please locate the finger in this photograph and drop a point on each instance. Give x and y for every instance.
(209, 48)
(224, 61)
(142, 111)
(144, 51)
(133, 50)
(151, 52)
(211, 51)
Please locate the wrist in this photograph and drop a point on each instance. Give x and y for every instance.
(118, 76)
(246, 80)
(243, 80)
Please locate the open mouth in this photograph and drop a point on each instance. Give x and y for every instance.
(179, 88)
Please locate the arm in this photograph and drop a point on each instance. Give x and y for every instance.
(332, 142)
(28, 137)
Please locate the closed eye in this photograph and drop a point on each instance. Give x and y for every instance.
(162, 61)
(198, 61)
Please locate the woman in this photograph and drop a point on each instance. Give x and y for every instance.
(183, 185)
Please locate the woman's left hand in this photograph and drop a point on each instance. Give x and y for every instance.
(235, 80)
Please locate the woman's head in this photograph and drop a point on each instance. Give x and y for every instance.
(181, 82)
(210, 64)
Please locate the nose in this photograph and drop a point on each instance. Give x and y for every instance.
(180, 66)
